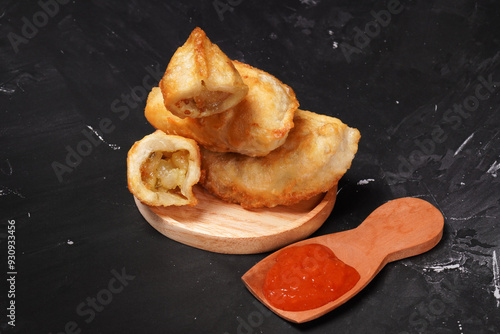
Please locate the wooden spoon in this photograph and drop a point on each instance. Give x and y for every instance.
(398, 229)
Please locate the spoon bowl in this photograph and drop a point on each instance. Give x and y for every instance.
(398, 229)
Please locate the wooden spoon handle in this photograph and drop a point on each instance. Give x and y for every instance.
(401, 228)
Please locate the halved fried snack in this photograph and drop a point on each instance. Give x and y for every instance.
(200, 79)
(255, 126)
(162, 169)
(316, 154)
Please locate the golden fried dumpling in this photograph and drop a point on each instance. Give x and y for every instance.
(255, 126)
(316, 154)
(162, 169)
(200, 79)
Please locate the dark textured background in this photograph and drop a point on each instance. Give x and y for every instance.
(93, 60)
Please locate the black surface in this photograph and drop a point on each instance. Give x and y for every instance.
(399, 88)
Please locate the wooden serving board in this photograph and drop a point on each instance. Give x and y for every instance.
(221, 227)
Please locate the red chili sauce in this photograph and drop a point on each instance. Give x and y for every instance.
(307, 277)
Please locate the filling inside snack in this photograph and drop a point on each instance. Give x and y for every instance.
(165, 171)
(207, 99)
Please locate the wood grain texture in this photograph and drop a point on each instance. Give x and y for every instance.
(398, 229)
(221, 227)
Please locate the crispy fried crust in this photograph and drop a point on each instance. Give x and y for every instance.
(200, 79)
(316, 154)
(161, 142)
(257, 125)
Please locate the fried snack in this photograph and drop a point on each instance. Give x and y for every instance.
(317, 152)
(162, 169)
(255, 126)
(200, 79)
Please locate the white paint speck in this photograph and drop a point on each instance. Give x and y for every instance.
(112, 146)
(493, 169)
(338, 191)
(442, 267)
(69, 242)
(463, 144)
(4, 191)
(397, 102)
(460, 327)
(472, 217)
(335, 45)
(365, 181)
(435, 107)
(496, 278)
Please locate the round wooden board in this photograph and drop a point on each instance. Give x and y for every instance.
(221, 227)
